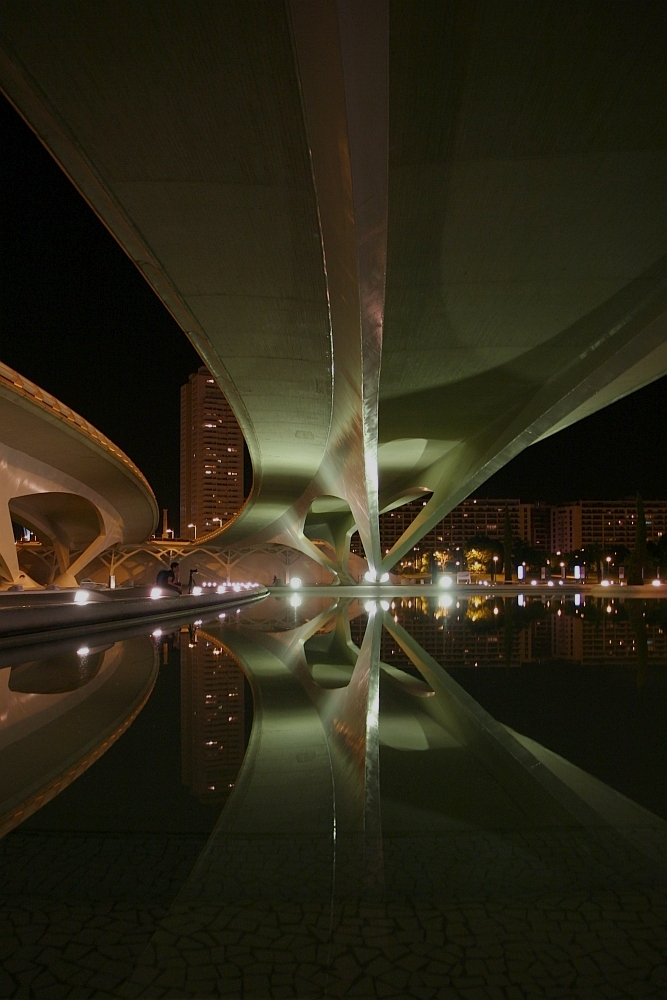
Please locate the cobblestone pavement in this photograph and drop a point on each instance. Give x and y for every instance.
(581, 945)
(557, 914)
(94, 918)
(586, 945)
(77, 911)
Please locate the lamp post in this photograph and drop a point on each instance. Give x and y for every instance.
(608, 562)
(495, 567)
(195, 529)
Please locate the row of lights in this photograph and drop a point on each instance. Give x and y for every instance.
(220, 588)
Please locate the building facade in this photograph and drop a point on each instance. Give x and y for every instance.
(212, 486)
(471, 519)
(609, 523)
(558, 528)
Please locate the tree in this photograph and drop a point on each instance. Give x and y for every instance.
(593, 556)
(479, 553)
(507, 546)
(639, 557)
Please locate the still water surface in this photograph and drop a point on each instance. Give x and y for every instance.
(305, 798)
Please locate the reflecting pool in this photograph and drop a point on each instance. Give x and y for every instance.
(398, 796)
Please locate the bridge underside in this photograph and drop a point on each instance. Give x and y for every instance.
(409, 240)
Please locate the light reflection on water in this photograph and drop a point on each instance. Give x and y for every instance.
(261, 732)
(602, 658)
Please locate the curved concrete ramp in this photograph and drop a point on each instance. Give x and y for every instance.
(65, 481)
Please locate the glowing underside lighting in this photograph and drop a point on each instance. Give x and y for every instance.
(384, 605)
(656, 583)
(156, 594)
(370, 607)
(157, 633)
(605, 583)
(196, 591)
(81, 597)
(295, 583)
(370, 576)
(384, 578)
(83, 651)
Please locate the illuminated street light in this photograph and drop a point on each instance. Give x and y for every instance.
(195, 529)
(295, 583)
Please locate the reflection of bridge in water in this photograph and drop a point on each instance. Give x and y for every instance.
(376, 810)
(369, 796)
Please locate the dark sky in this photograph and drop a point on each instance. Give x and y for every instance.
(77, 318)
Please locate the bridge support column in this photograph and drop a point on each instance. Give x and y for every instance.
(10, 570)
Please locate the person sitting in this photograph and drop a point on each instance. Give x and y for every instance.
(168, 579)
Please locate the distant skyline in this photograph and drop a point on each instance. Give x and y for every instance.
(77, 318)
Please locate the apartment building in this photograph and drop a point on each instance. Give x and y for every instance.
(212, 487)
(608, 523)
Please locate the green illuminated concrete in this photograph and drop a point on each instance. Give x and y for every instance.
(413, 238)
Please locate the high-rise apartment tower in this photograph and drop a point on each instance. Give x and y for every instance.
(211, 457)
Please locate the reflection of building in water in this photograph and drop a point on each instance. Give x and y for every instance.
(473, 635)
(454, 640)
(212, 719)
(571, 637)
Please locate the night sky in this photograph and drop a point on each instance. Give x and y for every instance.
(78, 319)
